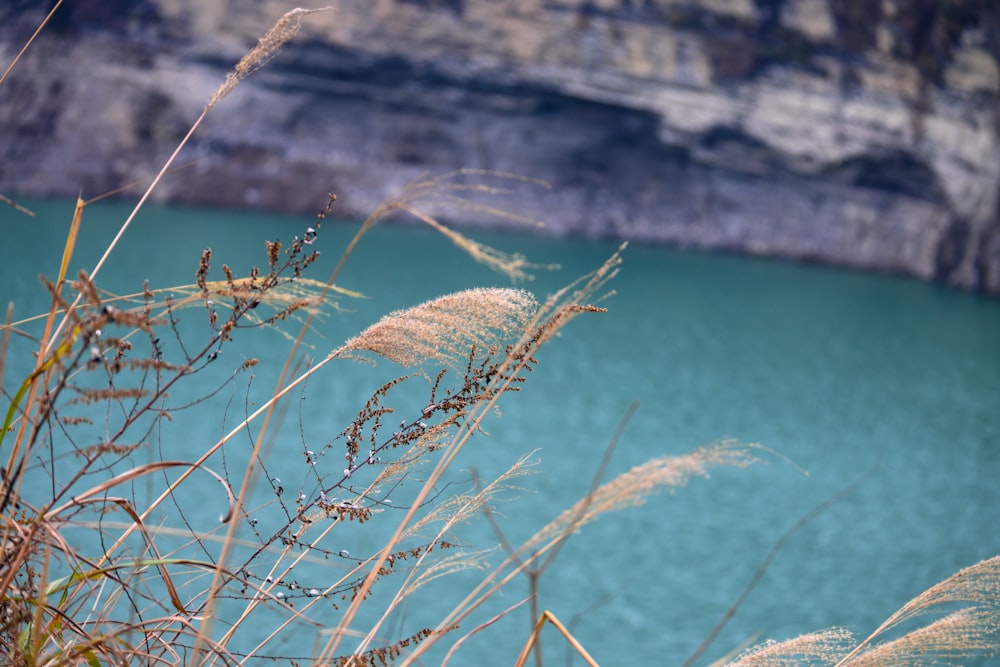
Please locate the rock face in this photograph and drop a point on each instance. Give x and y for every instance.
(839, 131)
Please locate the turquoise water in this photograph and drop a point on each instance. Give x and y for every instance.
(833, 370)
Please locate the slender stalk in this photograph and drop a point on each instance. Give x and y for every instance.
(30, 41)
(172, 488)
(549, 617)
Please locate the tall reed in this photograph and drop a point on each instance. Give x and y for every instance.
(91, 573)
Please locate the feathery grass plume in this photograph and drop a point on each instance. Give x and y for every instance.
(285, 299)
(978, 584)
(972, 630)
(277, 36)
(558, 310)
(267, 47)
(452, 191)
(961, 635)
(632, 487)
(449, 514)
(444, 329)
(818, 648)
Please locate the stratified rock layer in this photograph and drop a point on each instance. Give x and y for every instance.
(831, 131)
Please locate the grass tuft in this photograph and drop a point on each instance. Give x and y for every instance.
(444, 330)
(108, 554)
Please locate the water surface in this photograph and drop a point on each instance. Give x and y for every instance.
(834, 371)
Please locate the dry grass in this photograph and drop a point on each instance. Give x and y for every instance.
(90, 574)
(949, 636)
(267, 48)
(444, 330)
(152, 594)
(634, 486)
(819, 648)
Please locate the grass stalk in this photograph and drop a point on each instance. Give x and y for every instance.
(31, 40)
(109, 372)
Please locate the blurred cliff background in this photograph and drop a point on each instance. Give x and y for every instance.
(853, 132)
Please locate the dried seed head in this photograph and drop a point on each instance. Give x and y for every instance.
(445, 329)
(267, 47)
(632, 487)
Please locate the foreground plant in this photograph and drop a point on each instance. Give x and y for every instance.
(113, 373)
(110, 557)
(962, 623)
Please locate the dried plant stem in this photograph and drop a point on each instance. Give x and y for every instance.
(172, 488)
(5, 339)
(30, 41)
(17, 207)
(42, 359)
(556, 313)
(957, 633)
(549, 617)
(146, 194)
(766, 563)
(271, 42)
(439, 469)
(479, 628)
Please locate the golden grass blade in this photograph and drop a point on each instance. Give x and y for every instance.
(126, 505)
(74, 230)
(25, 398)
(5, 339)
(549, 617)
(68, 247)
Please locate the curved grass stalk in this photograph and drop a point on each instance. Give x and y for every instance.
(282, 31)
(31, 40)
(558, 310)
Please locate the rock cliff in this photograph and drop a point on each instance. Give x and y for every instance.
(839, 131)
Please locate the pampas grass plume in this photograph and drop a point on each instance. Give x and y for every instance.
(445, 329)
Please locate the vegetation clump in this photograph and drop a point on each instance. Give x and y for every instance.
(91, 573)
